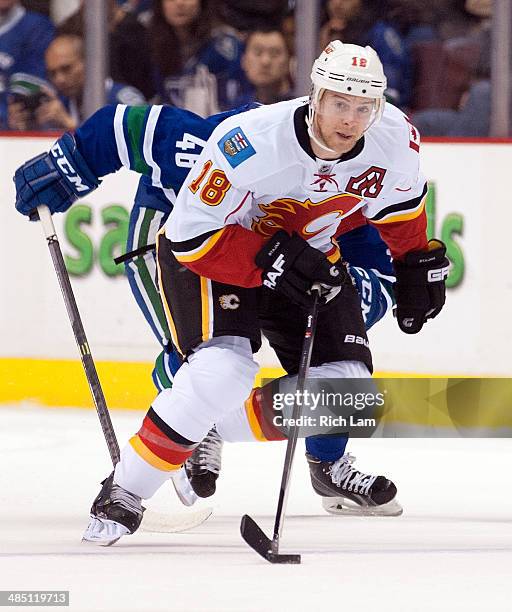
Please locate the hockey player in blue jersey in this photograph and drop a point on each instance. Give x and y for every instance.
(113, 137)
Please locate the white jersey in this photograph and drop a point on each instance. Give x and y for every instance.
(258, 171)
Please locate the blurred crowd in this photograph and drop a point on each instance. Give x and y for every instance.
(211, 55)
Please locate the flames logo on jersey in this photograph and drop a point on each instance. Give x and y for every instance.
(309, 219)
(229, 302)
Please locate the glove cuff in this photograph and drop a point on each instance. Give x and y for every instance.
(423, 259)
(72, 166)
(266, 254)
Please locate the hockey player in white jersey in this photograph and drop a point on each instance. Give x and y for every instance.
(119, 135)
(251, 231)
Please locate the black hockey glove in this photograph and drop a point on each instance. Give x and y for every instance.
(420, 286)
(291, 266)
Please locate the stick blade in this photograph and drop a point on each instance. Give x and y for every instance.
(258, 541)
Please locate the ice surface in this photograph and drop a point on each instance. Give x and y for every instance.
(451, 550)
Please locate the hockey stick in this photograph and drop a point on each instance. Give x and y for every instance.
(250, 530)
(153, 521)
(79, 332)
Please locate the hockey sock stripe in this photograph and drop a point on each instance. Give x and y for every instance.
(156, 380)
(167, 430)
(150, 298)
(162, 372)
(172, 363)
(139, 291)
(253, 421)
(150, 457)
(261, 406)
(261, 427)
(161, 443)
(161, 446)
(144, 270)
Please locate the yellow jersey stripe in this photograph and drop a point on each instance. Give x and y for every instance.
(205, 309)
(407, 216)
(334, 257)
(208, 245)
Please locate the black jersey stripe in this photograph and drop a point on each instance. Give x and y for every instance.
(401, 206)
(192, 243)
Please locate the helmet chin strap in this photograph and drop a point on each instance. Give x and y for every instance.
(309, 122)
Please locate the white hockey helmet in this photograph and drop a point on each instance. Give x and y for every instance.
(347, 69)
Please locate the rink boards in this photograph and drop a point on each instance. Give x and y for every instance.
(468, 209)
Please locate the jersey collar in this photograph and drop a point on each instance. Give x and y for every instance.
(301, 132)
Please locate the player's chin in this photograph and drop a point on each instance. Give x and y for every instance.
(343, 144)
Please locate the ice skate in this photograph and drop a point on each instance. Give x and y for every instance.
(345, 490)
(183, 488)
(203, 466)
(114, 513)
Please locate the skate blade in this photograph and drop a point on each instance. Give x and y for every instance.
(103, 532)
(343, 507)
(183, 488)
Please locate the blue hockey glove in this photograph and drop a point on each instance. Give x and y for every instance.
(55, 179)
(376, 292)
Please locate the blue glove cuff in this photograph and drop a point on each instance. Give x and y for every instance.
(72, 166)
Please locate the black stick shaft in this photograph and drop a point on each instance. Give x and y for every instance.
(293, 434)
(79, 333)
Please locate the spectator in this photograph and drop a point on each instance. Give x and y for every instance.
(266, 63)
(363, 22)
(472, 117)
(288, 29)
(461, 18)
(196, 66)
(24, 37)
(62, 107)
(413, 20)
(129, 59)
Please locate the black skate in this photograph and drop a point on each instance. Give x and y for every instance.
(345, 490)
(114, 513)
(203, 466)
